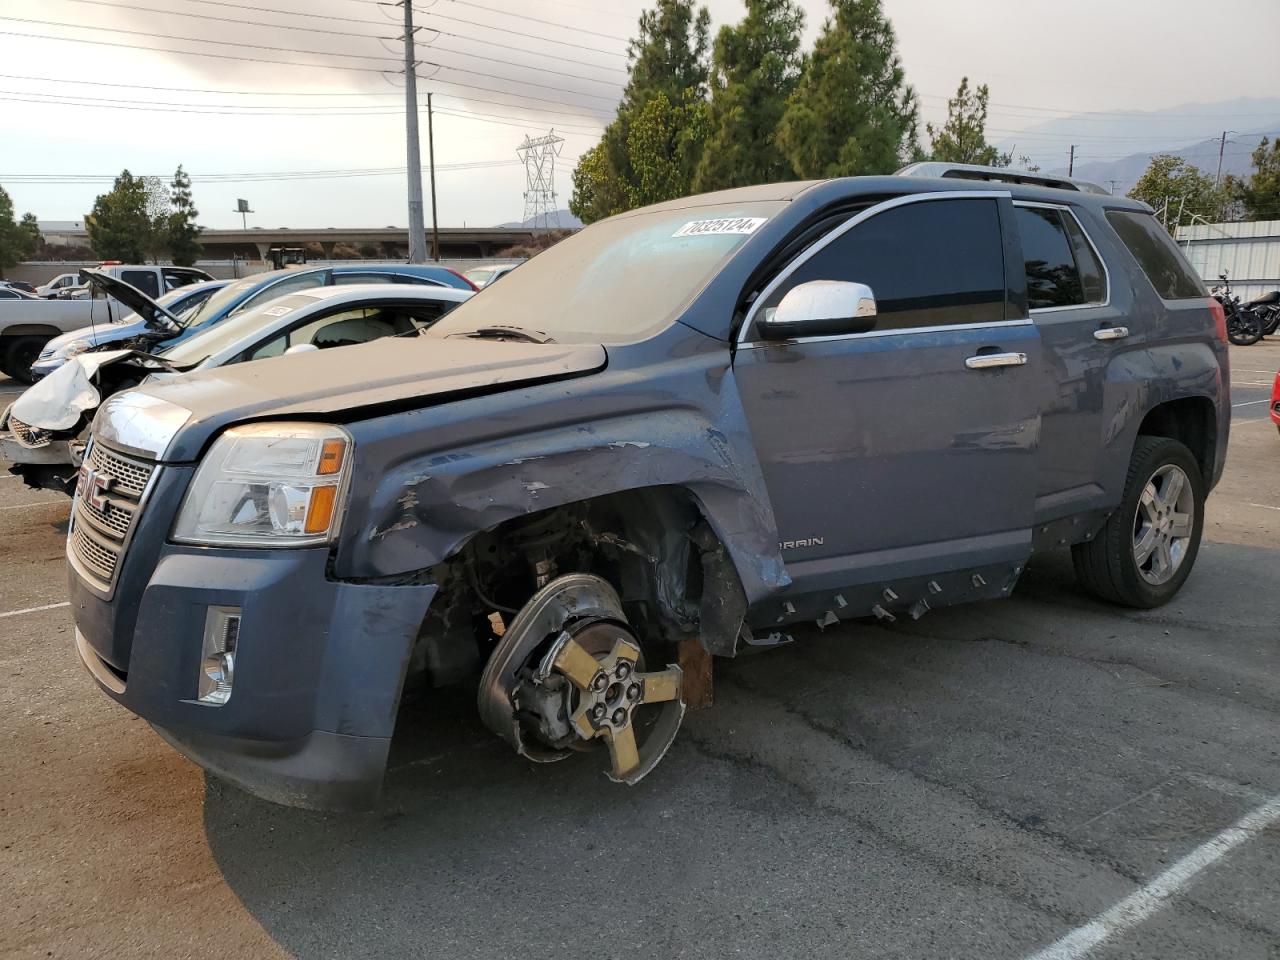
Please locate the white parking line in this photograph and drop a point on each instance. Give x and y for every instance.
(1250, 403)
(1136, 907)
(38, 503)
(47, 606)
(1264, 506)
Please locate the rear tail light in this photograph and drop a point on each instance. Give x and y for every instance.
(1219, 319)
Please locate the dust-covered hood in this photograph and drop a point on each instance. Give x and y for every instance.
(389, 373)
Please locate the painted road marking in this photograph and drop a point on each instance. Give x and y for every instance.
(47, 606)
(38, 503)
(1136, 907)
(1250, 403)
(1264, 506)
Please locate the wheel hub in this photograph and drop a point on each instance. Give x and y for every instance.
(569, 672)
(1163, 524)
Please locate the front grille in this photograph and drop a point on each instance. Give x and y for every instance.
(27, 435)
(108, 501)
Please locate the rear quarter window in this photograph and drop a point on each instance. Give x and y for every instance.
(1157, 255)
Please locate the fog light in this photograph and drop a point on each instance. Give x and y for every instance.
(218, 655)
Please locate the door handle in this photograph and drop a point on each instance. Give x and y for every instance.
(984, 360)
(1111, 333)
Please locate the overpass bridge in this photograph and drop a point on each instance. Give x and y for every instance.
(391, 243)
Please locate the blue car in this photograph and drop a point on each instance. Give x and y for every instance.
(161, 325)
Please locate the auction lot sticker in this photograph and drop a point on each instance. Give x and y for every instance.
(742, 226)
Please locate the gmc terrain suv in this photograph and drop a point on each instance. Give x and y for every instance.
(669, 437)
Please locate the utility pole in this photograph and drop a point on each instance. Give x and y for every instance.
(1222, 147)
(1071, 161)
(417, 229)
(1114, 184)
(431, 161)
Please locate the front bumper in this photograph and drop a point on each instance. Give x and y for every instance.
(319, 666)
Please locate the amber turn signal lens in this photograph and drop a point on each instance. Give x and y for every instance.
(331, 454)
(320, 509)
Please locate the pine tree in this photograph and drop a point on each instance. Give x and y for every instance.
(963, 138)
(754, 67)
(118, 226)
(667, 64)
(1259, 195)
(17, 242)
(852, 113)
(183, 232)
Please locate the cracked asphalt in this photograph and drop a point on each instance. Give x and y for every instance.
(972, 785)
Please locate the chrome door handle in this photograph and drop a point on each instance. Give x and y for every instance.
(984, 360)
(1111, 333)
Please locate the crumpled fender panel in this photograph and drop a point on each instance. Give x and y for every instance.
(432, 479)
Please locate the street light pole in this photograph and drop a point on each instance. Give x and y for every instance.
(431, 162)
(413, 155)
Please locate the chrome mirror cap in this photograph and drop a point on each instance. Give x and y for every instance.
(821, 307)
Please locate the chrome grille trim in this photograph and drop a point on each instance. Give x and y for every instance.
(102, 525)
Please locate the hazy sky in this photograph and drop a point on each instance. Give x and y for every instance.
(1041, 59)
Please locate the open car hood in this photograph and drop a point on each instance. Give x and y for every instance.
(387, 374)
(130, 296)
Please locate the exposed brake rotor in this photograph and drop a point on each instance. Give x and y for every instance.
(569, 671)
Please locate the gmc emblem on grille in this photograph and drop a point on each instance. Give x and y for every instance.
(94, 488)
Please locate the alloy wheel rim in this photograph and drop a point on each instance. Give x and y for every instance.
(1162, 524)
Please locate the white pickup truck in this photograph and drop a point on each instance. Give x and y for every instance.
(27, 325)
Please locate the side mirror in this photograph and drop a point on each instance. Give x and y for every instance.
(821, 307)
(301, 348)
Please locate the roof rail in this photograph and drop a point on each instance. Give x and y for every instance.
(972, 171)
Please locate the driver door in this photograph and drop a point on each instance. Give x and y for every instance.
(899, 451)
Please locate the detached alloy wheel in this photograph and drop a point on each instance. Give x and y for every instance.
(1145, 551)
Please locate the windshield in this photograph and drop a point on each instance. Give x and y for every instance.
(617, 280)
(479, 275)
(230, 332)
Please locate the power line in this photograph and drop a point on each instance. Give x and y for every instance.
(321, 30)
(261, 177)
(318, 53)
(1105, 113)
(278, 93)
(294, 63)
(521, 16)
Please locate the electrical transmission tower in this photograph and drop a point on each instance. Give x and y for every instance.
(539, 157)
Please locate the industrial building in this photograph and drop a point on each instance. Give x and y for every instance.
(1249, 253)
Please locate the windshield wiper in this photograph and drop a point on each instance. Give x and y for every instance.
(508, 333)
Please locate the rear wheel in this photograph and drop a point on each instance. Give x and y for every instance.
(1145, 551)
(19, 354)
(1244, 328)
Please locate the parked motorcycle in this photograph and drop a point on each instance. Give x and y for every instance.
(1267, 309)
(1244, 328)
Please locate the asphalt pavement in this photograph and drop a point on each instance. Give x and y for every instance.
(1044, 776)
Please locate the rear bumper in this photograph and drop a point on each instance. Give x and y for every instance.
(319, 666)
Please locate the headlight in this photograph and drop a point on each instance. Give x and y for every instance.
(75, 348)
(268, 485)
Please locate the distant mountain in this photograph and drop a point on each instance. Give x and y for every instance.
(567, 221)
(1118, 146)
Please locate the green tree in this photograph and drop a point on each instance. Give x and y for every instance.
(667, 65)
(598, 191)
(754, 68)
(1259, 194)
(18, 240)
(1178, 192)
(183, 233)
(963, 138)
(852, 112)
(664, 144)
(119, 227)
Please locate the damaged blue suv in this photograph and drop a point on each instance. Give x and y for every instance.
(670, 437)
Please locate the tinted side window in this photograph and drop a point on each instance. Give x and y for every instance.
(1093, 279)
(144, 280)
(302, 281)
(1157, 254)
(931, 263)
(1052, 277)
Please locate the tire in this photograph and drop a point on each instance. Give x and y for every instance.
(1137, 559)
(20, 353)
(1243, 328)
